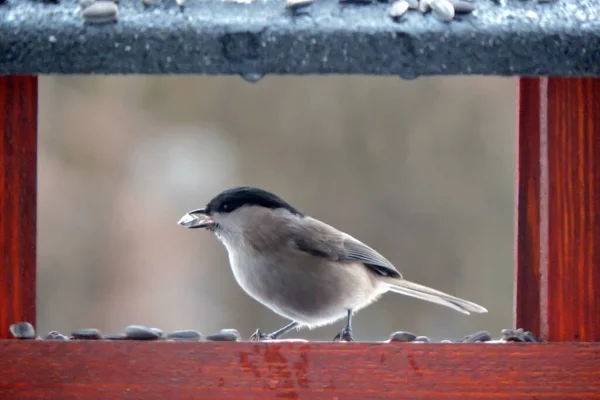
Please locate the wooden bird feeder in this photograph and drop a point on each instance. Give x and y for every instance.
(554, 47)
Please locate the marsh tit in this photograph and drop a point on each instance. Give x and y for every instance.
(301, 268)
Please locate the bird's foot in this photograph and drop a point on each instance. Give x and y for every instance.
(345, 335)
(259, 336)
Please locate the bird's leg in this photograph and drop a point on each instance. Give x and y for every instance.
(346, 334)
(258, 335)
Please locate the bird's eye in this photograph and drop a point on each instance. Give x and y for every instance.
(225, 207)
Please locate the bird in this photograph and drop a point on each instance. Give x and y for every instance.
(300, 267)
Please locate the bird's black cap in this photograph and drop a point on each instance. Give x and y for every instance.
(232, 199)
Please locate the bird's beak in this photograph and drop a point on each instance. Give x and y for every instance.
(191, 221)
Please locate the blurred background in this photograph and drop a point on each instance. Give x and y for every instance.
(421, 170)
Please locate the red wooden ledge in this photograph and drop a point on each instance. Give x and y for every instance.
(47, 370)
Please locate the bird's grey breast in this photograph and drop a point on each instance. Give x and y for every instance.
(253, 272)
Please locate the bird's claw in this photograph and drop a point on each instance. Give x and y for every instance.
(345, 335)
(259, 336)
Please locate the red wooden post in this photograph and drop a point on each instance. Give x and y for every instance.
(18, 163)
(558, 208)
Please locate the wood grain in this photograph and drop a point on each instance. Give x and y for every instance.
(558, 238)
(527, 245)
(18, 163)
(47, 370)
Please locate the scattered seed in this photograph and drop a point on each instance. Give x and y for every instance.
(514, 335)
(423, 339)
(54, 335)
(295, 4)
(442, 10)
(233, 332)
(512, 331)
(22, 330)
(462, 7)
(86, 334)
(100, 12)
(185, 335)
(424, 6)
(446, 341)
(51, 334)
(180, 3)
(402, 337)
(398, 9)
(413, 4)
(222, 337)
(158, 331)
(481, 336)
(86, 3)
(139, 332)
(225, 335)
(115, 336)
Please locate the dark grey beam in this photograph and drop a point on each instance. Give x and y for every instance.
(520, 37)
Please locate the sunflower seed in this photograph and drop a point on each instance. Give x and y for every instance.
(294, 4)
(398, 9)
(514, 335)
(139, 332)
(54, 335)
(100, 12)
(22, 330)
(115, 336)
(423, 339)
(185, 335)
(51, 335)
(413, 4)
(446, 341)
(402, 337)
(530, 337)
(86, 3)
(462, 7)
(442, 10)
(225, 335)
(424, 6)
(158, 331)
(86, 334)
(356, 1)
(222, 337)
(481, 336)
(180, 3)
(232, 332)
(512, 331)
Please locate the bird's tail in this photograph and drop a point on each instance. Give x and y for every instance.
(435, 296)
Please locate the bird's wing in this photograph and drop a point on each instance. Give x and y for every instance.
(318, 239)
